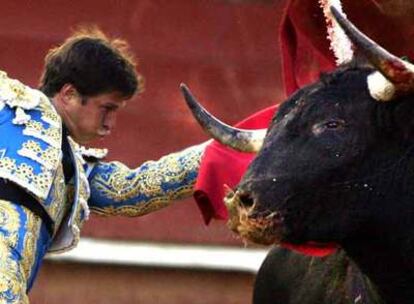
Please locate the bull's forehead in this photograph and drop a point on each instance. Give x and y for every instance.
(341, 93)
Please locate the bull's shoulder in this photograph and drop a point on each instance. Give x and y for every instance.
(291, 278)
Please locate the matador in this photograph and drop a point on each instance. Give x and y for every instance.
(49, 183)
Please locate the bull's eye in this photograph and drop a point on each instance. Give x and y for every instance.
(332, 124)
(329, 125)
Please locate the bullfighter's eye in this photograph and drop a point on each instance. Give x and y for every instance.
(331, 125)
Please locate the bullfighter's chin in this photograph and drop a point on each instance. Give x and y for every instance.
(251, 226)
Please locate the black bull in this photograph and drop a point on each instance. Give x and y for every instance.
(336, 167)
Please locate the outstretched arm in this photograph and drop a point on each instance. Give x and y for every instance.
(119, 190)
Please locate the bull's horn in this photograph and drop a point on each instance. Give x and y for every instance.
(398, 72)
(238, 139)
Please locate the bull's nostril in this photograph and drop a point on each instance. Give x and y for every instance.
(246, 200)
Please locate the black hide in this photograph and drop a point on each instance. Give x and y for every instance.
(286, 277)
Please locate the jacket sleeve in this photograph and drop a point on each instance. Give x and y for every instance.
(119, 190)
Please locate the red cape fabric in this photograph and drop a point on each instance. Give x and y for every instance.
(305, 54)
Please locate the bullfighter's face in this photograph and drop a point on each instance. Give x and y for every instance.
(88, 118)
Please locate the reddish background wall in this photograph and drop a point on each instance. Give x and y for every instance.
(226, 52)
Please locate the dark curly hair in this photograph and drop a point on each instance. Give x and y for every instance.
(93, 64)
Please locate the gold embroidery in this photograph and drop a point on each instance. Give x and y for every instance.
(33, 225)
(16, 94)
(39, 184)
(50, 135)
(59, 203)
(141, 208)
(9, 222)
(49, 114)
(13, 274)
(12, 286)
(152, 186)
(47, 158)
(23, 175)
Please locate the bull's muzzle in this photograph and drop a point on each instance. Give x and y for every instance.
(245, 220)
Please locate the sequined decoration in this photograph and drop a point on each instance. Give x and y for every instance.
(23, 175)
(47, 158)
(47, 129)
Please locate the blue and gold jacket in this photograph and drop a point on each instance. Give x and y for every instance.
(31, 157)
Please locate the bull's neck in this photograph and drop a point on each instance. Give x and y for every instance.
(384, 247)
(389, 265)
